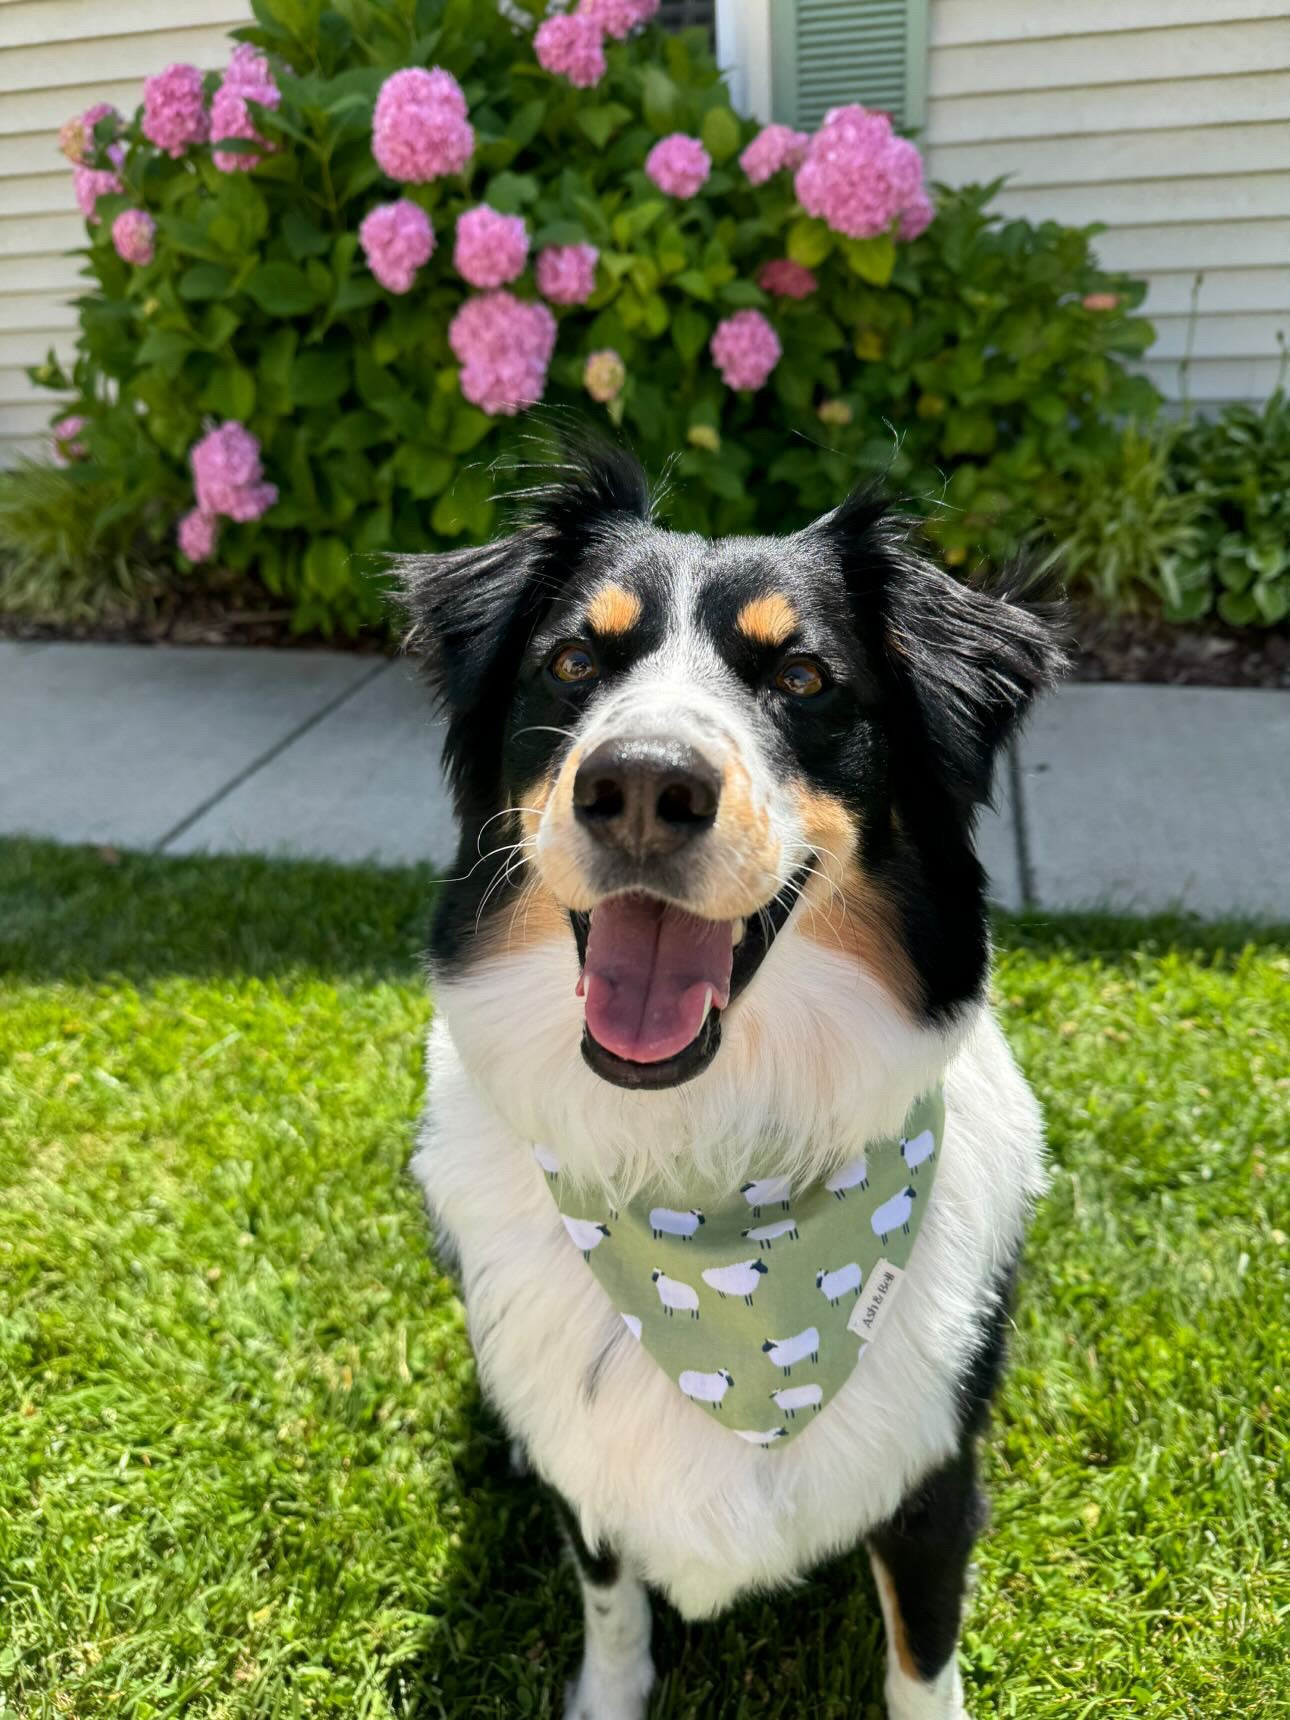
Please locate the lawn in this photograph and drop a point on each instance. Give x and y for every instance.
(244, 1468)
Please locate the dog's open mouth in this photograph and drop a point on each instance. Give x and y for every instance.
(655, 980)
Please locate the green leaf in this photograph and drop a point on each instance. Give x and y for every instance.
(809, 242)
(559, 233)
(302, 237)
(205, 281)
(318, 378)
(690, 329)
(189, 237)
(326, 565)
(426, 471)
(230, 393)
(660, 99)
(468, 429)
(164, 346)
(526, 122)
(741, 295)
(355, 292)
(696, 283)
(871, 259)
(281, 289)
(511, 193)
(601, 122)
(720, 133)
(353, 432)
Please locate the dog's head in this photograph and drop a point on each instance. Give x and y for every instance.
(667, 751)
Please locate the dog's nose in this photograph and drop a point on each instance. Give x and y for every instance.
(647, 798)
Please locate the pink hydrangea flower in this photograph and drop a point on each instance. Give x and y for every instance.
(1100, 301)
(491, 249)
(396, 239)
(67, 446)
(603, 375)
(197, 535)
(248, 79)
(678, 164)
(918, 216)
(745, 349)
(504, 347)
(174, 109)
(227, 474)
(76, 136)
(420, 130)
(571, 45)
(859, 176)
(566, 274)
(618, 18)
(91, 183)
(774, 147)
(786, 279)
(134, 235)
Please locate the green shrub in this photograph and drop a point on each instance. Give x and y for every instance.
(1238, 465)
(78, 542)
(1127, 534)
(978, 365)
(1191, 517)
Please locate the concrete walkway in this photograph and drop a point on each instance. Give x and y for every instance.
(1129, 798)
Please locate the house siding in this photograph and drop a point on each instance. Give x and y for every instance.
(1164, 119)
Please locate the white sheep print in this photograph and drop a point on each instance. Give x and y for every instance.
(758, 1304)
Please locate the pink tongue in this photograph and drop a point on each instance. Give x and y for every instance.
(648, 971)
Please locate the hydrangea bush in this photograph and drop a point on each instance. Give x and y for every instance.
(326, 281)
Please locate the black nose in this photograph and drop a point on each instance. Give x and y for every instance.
(647, 798)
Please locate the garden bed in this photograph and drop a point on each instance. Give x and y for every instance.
(1129, 648)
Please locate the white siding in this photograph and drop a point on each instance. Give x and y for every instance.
(1167, 120)
(56, 57)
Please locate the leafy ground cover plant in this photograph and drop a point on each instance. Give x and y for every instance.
(1238, 464)
(1188, 516)
(325, 282)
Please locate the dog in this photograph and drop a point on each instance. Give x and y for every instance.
(717, 917)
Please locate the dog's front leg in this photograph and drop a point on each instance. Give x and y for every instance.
(617, 1673)
(919, 1563)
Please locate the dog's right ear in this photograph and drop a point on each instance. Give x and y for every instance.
(471, 612)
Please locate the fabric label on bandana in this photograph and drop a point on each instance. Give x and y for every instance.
(759, 1304)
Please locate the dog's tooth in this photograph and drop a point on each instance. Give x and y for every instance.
(707, 1004)
(737, 931)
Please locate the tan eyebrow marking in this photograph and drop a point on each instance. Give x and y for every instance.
(768, 620)
(613, 610)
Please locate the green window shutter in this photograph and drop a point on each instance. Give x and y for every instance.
(830, 52)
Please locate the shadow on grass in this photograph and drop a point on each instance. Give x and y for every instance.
(503, 1634)
(91, 913)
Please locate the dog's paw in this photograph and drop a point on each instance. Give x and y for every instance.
(593, 1696)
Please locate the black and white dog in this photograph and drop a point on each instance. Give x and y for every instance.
(789, 737)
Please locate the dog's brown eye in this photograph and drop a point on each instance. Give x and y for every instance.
(573, 663)
(803, 677)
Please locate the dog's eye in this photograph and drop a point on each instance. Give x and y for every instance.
(573, 663)
(803, 677)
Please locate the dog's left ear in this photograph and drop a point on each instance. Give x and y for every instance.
(963, 662)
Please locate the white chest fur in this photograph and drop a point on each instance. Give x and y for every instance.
(696, 1511)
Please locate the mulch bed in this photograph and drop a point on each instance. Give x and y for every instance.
(1131, 648)
(1143, 648)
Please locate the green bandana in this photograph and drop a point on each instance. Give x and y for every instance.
(760, 1305)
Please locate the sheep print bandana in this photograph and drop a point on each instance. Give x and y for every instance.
(759, 1304)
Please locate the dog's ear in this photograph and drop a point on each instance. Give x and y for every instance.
(472, 611)
(961, 662)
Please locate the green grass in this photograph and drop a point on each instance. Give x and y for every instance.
(244, 1469)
